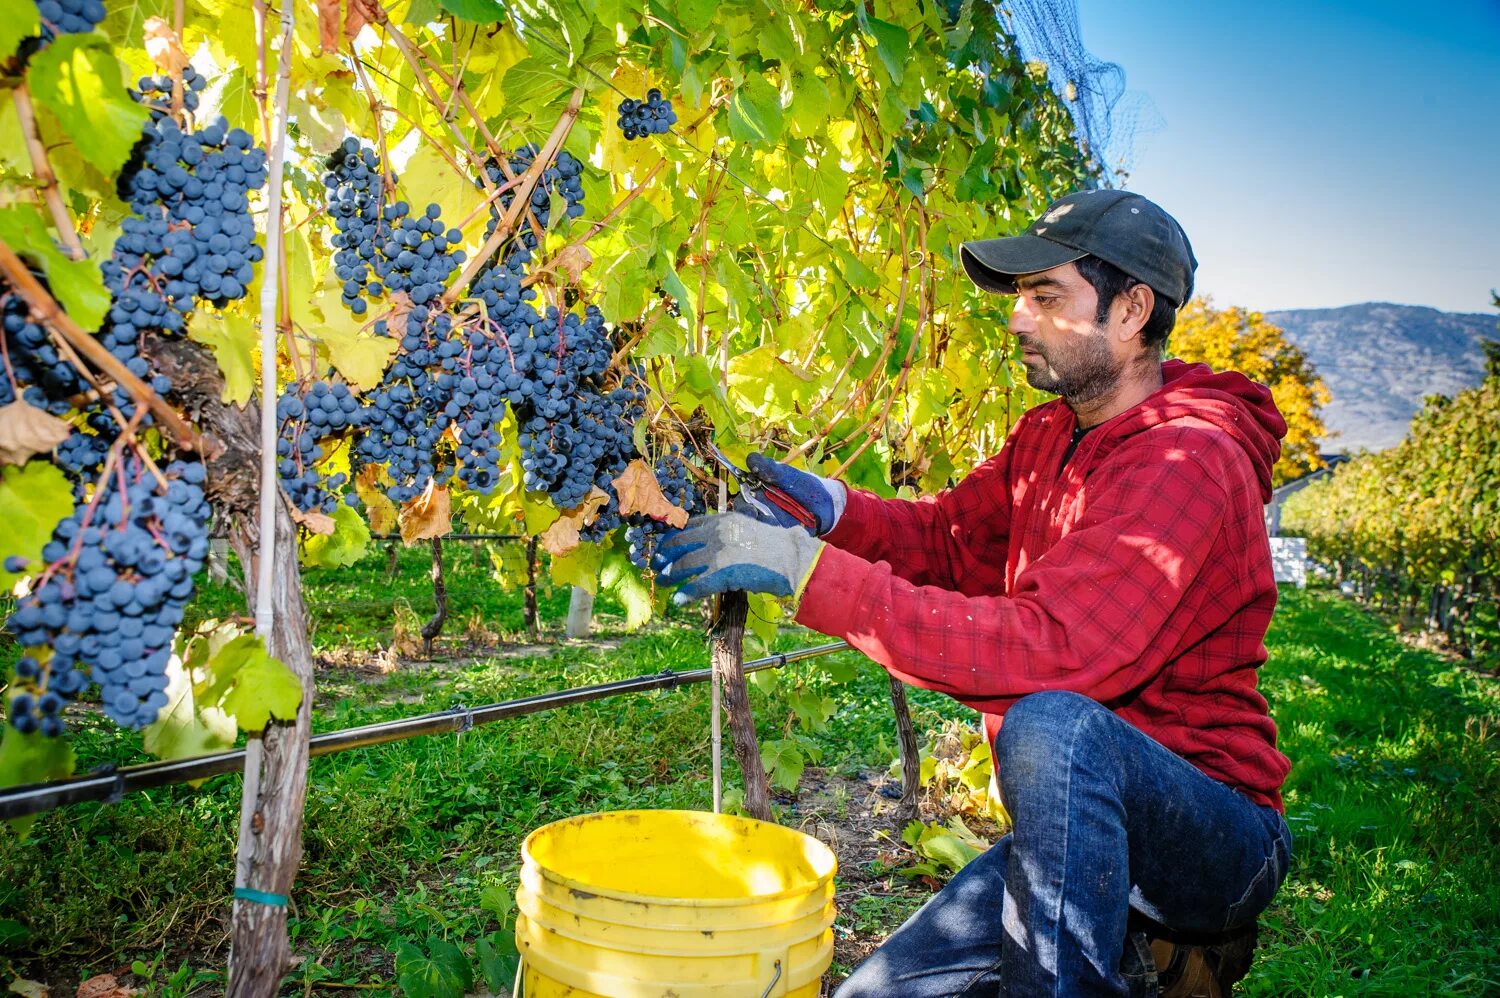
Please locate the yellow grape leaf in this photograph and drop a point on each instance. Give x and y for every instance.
(428, 515)
(342, 548)
(640, 492)
(562, 537)
(429, 178)
(369, 485)
(580, 567)
(233, 338)
(361, 357)
(26, 430)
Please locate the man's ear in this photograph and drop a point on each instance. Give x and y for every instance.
(1133, 308)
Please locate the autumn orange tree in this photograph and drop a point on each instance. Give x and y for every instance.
(1243, 340)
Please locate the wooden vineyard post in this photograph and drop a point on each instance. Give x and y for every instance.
(911, 759)
(580, 613)
(727, 656)
(271, 840)
(434, 626)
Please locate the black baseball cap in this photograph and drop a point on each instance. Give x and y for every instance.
(1118, 227)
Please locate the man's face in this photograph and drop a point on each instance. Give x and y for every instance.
(1064, 349)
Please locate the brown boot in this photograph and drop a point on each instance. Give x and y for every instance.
(1186, 970)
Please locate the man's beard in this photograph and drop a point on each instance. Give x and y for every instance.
(1079, 374)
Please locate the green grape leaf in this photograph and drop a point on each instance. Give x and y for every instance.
(762, 620)
(233, 338)
(77, 285)
(342, 548)
(532, 84)
(784, 760)
(250, 685)
(21, 23)
(579, 567)
(696, 14)
(892, 45)
(482, 11)
(620, 577)
(755, 112)
(442, 972)
(78, 79)
(184, 729)
(499, 961)
(34, 498)
(32, 758)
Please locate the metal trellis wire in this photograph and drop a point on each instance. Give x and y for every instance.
(111, 784)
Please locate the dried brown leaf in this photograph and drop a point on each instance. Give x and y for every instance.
(640, 492)
(318, 523)
(163, 46)
(573, 260)
(27, 989)
(328, 25)
(26, 430)
(105, 986)
(563, 536)
(428, 515)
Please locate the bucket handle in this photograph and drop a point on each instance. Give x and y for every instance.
(772, 986)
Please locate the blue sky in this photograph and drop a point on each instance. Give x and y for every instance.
(1319, 154)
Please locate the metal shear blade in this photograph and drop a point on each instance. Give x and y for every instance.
(749, 482)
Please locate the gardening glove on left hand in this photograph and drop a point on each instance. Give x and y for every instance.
(724, 551)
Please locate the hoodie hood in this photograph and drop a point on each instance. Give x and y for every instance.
(1242, 408)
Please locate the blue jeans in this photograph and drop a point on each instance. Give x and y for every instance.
(1106, 819)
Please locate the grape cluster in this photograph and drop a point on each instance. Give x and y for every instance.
(156, 91)
(355, 191)
(677, 486)
(69, 17)
(573, 433)
(191, 237)
(563, 177)
(417, 257)
(652, 116)
(32, 360)
(415, 404)
(304, 420)
(120, 570)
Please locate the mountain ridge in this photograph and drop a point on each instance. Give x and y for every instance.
(1380, 359)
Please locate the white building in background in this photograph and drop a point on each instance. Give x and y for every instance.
(1289, 554)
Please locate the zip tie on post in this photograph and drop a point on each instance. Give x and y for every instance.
(260, 897)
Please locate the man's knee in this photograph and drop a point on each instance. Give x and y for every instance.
(1031, 732)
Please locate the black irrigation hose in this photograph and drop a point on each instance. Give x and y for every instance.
(458, 537)
(110, 783)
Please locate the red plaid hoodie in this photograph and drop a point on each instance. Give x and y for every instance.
(1138, 575)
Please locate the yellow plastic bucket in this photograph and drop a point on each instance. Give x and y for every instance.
(644, 904)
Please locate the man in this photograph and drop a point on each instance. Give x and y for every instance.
(1103, 584)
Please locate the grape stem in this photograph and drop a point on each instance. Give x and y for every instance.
(600, 225)
(62, 221)
(46, 309)
(522, 199)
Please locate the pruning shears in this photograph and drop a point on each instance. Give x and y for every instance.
(753, 487)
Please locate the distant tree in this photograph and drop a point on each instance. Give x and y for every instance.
(1241, 340)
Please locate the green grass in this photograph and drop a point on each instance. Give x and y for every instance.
(1394, 798)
